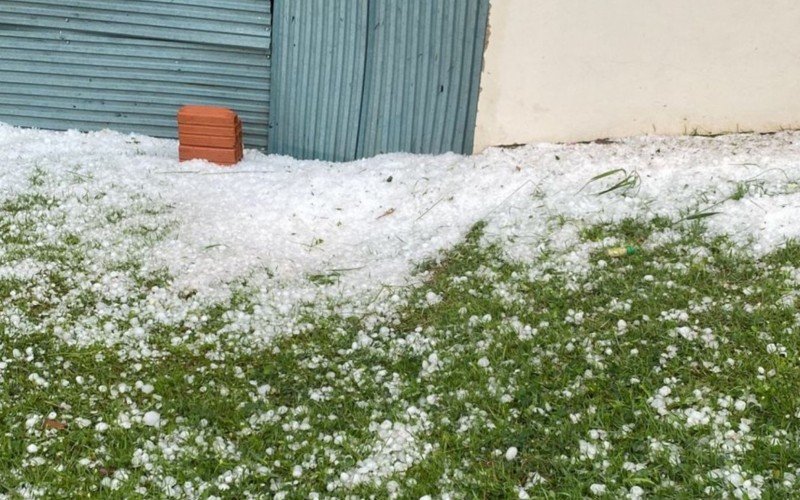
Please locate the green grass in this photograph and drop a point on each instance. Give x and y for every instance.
(566, 383)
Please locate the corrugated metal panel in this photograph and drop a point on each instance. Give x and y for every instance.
(93, 64)
(423, 75)
(319, 55)
(355, 78)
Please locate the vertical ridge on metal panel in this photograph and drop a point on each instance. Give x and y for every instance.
(94, 64)
(422, 78)
(318, 59)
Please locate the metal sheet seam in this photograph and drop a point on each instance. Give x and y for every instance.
(360, 121)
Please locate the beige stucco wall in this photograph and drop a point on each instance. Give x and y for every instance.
(568, 70)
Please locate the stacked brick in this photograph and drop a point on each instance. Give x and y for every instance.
(209, 133)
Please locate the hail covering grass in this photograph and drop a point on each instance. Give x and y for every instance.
(359, 228)
(293, 325)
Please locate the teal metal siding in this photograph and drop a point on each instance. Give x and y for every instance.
(409, 68)
(319, 58)
(423, 66)
(130, 65)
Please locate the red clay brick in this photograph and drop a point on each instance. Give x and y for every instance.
(209, 133)
(222, 156)
(210, 141)
(207, 115)
(208, 130)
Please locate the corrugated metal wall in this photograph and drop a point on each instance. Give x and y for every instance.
(319, 55)
(92, 64)
(419, 63)
(423, 65)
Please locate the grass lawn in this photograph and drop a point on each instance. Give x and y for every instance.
(298, 329)
(673, 371)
